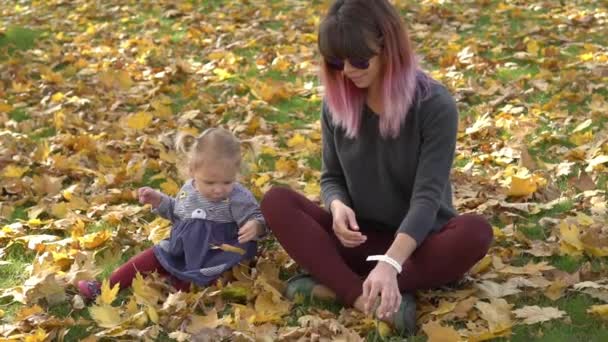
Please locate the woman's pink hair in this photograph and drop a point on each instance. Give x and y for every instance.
(361, 29)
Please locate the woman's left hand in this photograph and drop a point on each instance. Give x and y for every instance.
(382, 280)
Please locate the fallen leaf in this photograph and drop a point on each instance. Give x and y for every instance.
(535, 314)
(106, 316)
(108, 295)
(230, 248)
(438, 333)
(497, 313)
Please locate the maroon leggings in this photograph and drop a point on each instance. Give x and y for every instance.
(144, 262)
(305, 232)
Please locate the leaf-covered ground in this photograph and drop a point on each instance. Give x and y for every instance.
(92, 93)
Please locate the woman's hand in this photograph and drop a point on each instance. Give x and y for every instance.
(382, 281)
(250, 230)
(150, 196)
(345, 225)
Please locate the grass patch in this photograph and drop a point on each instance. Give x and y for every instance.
(43, 133)
(75, 332)
(508, 74)
(583, 327)
(535, 232)
(19, 38)
(14, 274)
(19, 115)
(20, 213)
(98, 226)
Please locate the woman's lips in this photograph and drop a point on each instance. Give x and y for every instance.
(356, 78)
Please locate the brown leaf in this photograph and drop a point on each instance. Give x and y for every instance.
(582, 182)
(535, 314)
(438, 333)
(497, 313)
(462, 309)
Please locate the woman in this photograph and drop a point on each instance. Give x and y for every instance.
(389, 136)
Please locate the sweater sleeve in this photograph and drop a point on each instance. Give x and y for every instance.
(244, 207)
(166, 208)
(439, 128)
(333, 184)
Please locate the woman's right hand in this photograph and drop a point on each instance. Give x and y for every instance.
(150, 196)
(345, 225)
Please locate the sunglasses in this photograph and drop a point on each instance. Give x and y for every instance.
(338, 64)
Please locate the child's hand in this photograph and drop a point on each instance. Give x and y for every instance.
(150, 196)
(250, 230)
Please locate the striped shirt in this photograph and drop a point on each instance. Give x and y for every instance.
(239, 207)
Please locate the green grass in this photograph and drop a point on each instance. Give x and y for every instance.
(18, 38)
(43, 133)
(583, 327)
(19, 115)
(14, 274)
(514, 73)
(20, 213)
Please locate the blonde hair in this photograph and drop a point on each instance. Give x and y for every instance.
(213, 145)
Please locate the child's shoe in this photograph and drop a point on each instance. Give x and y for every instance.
(89, 289)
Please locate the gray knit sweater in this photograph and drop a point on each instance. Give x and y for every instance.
(399, 184)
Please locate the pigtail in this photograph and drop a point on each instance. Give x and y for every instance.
(184, 142)
(248, 156)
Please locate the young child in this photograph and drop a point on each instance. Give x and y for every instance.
(211, 209)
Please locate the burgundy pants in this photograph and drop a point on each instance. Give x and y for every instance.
(305, 232)
(144, 262)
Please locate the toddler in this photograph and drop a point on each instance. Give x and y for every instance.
(212, 211)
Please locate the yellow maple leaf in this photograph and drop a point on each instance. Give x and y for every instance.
(108, 295)
(286, 166)
(169, 187)
(163, 110)
(570, 239)
(59, 210)
(263, 179)
(222, 74)
(269, 308)
(93, 240)
(523, 183)
(57, 97)
(14, 171)
(599, 310)
(143, 291)
(5, 107)
(139, 120)
(124, 79)
(28, 311)
(297, 140)
(63, 260)
(579, 139)
(106, 316)
(312, 188)
(39, 336)
(482, 265)
(59, 120)
(152, 314)
(229, 248)
(586, 56)
(532, 47)
(199, 322)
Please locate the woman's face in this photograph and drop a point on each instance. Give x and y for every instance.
(363, 78)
